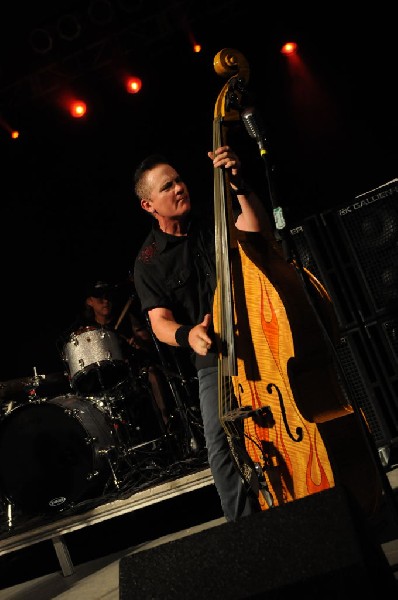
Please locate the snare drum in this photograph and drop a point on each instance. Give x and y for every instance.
(95, 360)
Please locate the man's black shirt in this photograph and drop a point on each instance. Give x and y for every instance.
(178, 273)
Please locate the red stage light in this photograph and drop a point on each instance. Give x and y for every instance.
(77, 108)
(289, 48)
(133, 85)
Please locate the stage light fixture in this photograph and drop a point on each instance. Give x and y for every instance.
(289, 48)
(100, 12)
(133, 85)
(41, 41)
(68, 28)
(77, 108)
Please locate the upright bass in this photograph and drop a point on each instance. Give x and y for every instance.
(271, 344)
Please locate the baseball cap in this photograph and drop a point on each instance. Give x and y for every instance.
(99, 289)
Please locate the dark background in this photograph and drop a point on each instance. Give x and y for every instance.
(68, 213)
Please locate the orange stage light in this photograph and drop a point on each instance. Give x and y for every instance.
(77, 108)
(289, 48)
(133, 85)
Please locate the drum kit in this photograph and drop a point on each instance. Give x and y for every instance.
(60, 450)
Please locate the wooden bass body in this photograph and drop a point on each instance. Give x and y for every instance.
(286, 384)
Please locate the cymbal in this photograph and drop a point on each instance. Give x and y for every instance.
(23, 384)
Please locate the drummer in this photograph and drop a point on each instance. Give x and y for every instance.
(97, 309)
(101, 309)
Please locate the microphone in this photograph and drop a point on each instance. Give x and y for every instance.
(254, 127)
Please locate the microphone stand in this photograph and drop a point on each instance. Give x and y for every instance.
(255, 130)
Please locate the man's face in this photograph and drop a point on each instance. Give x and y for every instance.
(168, 197)
(101, 306)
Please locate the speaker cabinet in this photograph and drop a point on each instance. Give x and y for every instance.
(364, 236)
(364, 362)
(315, 545)
(316, 254)
(353, 250)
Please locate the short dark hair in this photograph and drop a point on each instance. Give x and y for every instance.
(147, 164)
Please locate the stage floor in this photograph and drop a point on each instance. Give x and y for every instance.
(78, 555)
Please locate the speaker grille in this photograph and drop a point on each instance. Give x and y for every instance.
(316, 254)
(366, 390)
(317, 546)
(365, 239)
(353, 251)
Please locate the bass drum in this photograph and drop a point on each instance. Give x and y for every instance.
(95, 360)
(54, 453)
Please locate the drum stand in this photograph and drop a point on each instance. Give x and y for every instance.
(192, 440)
(8, 513)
